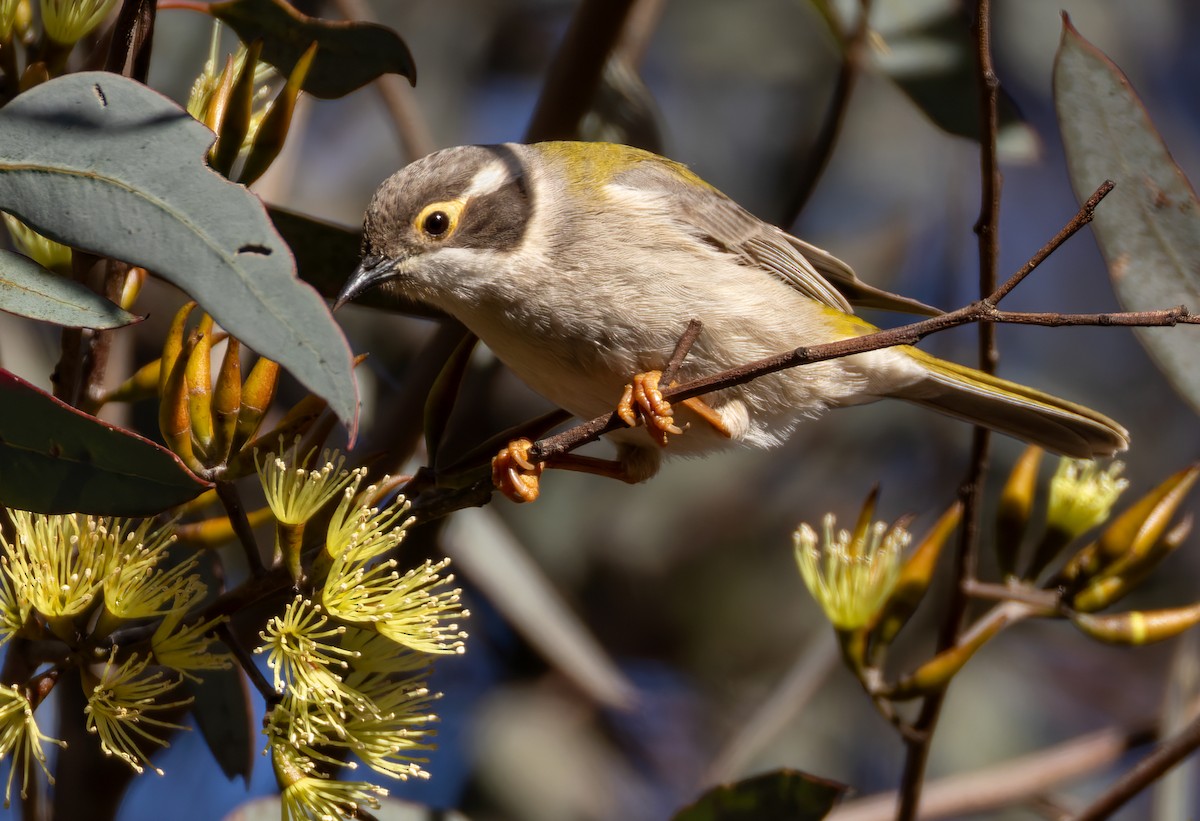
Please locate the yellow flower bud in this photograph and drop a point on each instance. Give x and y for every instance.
(1138, 627)
(915, 576)
(1016, 502)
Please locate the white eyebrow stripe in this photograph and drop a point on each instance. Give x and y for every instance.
(489, 179)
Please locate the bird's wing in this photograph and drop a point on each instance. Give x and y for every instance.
(718, 221)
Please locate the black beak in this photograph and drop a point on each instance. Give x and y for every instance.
(369, 273)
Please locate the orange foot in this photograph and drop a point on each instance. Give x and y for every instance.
(514, 475)
(643, 399)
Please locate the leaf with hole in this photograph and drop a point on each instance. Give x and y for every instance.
(102, 163)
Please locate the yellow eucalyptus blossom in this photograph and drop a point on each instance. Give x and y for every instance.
(14, 609)
(309, 796)
(120, 709)
(357, 529)
(301, 651)
(69, 21)
(21, 740)
(186, 648)
(296, 494)
(135, 586)
(379, 654)
(1082, 495)
(391, 737)
(414, 608)
(56, 563)
(850, 577)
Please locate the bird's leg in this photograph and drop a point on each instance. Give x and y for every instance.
(518, 478)
(643, 398)
(706, 412)
(514, 475)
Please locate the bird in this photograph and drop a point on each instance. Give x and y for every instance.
(580, 264)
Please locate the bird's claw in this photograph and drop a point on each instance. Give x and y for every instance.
(643, 399)
(514, 475)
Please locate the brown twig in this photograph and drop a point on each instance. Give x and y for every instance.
(1085, 215)
(966, 557)
(1041, 598)
(232, 502)
(1155, 765)
(690, 334)
(1010, 782)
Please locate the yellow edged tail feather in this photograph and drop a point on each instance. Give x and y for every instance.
(1016, 410)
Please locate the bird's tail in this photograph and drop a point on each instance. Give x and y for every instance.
(1055, 424)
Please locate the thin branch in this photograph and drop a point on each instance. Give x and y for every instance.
(690, 334)
(245, 660)
(1165, 756)
(1010, 782)
(232, 502)
(1045, 599)
(966, 557)
(1085, 215)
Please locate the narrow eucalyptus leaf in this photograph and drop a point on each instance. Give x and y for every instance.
(28, 289)
(1148, 228)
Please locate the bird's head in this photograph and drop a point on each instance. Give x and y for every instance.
(441, 216)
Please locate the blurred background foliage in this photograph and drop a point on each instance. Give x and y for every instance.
(688, 582)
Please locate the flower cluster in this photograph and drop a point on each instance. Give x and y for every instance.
(74, 581)
(349, 659)
(869, 591)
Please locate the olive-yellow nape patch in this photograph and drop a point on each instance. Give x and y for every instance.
(439, 220)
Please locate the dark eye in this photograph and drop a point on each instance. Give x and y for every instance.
(436, 223)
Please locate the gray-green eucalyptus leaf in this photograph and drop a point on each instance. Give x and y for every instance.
(1148, 228)
(102, 163)
(27, 289)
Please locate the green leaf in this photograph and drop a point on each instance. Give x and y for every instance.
(221, 707)
(28, 289)
(349, 54)
(1148, 228)
(56, 459)
(788, 794)
(326, 254)
(100, 162)
(930, 54)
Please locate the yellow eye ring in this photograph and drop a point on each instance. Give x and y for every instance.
(439, 220)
